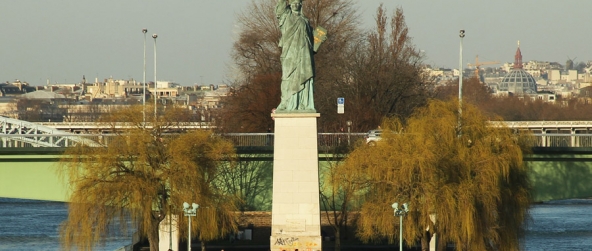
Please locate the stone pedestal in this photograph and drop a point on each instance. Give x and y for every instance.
(295, 213)
(168, 232)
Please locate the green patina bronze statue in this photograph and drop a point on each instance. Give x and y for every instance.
(298, 47)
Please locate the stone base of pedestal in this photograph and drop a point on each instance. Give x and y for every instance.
(168, 233)
(295, 212)
(291, 243)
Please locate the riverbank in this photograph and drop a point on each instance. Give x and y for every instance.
(260, 246)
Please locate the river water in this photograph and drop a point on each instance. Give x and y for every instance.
(33, 225)
(560, 225)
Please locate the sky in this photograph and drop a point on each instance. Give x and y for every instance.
(61, 41)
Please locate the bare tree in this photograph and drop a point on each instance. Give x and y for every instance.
(27, 109)
(385, 76)
(248, 107)
(257, 57)
(474, 92)
(379, 73)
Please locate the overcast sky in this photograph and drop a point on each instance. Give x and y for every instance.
(62, 40)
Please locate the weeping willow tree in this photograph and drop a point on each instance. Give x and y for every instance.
(341, 193)
(250, 181)
(143, 174)
(469, 187)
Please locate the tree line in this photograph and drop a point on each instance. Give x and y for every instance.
(378, 71)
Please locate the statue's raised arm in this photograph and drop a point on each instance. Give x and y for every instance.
(281, 8)
(297, 58)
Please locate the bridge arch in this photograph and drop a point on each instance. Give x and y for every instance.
(28, 134)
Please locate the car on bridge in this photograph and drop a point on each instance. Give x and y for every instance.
(373, 136)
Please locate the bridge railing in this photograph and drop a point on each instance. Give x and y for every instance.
(339, 139)
(267, 139)
(238, 139)
(562, 140)
(256, 139)
(249, 139)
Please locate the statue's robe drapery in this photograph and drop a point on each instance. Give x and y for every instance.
(297, 61)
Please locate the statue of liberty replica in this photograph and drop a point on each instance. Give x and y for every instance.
(298, 47)
(295, 210)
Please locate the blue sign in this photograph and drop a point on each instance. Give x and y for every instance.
(340, 101)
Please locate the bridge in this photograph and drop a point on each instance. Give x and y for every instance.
(24, 133)
(538, 127)
(18, 133)
(560, 165)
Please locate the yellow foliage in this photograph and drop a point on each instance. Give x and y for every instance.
(471, 178)
(143, 174)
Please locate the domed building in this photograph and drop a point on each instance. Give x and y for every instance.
(518, 81)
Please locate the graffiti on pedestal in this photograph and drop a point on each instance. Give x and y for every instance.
(293, 243)
(288, 241)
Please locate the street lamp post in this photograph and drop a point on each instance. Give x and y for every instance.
(155, 84)
(349, 123)
(170, 230)
(460, 80)
(144, 82)
(400, 212)
(189, 212)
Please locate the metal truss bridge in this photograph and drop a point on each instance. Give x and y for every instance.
(18, 134)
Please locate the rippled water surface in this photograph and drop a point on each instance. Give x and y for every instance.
(33, 225)
(560, 225)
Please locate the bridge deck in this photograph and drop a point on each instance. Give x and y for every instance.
(560, 165)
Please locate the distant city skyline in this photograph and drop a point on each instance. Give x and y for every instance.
(62, 40)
